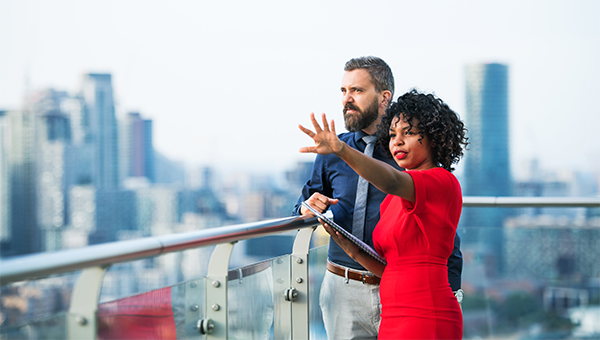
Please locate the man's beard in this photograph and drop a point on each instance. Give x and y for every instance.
(360, 120)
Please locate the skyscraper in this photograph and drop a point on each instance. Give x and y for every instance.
(487, 167)
(5, 189)
(101, 129)
(23, 236)
(137, 156)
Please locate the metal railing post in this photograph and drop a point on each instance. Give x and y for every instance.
(282, 312)
(299, 270)
(82, 319)
(215, 324)
(193, 297)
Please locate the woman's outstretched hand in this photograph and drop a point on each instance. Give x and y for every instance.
(326, 140)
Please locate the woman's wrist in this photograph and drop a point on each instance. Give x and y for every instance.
(341, 150)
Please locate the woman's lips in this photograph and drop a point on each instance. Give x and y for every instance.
(399, 154)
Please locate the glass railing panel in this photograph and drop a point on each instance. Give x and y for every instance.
(47, 328)
(317, 261)
(167, 313)
(29, 306)
(251, 301)
(135, 277)
(535, 278)
(161, 297)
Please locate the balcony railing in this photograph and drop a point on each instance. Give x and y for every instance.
(272, 299)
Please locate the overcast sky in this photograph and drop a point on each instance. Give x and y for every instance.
(227, 82)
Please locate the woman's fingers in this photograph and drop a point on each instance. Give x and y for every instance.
(306, 131)
(308, 149)
(324, 141)
(317, 127)
(315, 123)
(329, 230)
(325, 124)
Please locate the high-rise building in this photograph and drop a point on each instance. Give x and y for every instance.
(157, 210)
(53, 139)
(137, 151)
(97, 216)
(23, 236)
(5, 190)
(487, 167)
(552, 248)
(74, 108)
(101, 129)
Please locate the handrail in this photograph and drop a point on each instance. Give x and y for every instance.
(523, 201)
(45, 264)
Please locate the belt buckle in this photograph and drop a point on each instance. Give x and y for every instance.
(364, 278)
(347, 279)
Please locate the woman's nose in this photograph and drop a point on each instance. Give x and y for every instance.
(398, 140)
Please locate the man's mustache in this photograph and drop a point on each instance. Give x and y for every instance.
(350, 106)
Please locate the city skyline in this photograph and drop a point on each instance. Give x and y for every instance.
(228, 89)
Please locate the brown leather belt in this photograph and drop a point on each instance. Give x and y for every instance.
(352, 275)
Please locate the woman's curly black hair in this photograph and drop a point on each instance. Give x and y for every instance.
(437, 121)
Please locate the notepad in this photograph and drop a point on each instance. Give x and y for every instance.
(358, 242)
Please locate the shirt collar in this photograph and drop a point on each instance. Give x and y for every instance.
(358, 135)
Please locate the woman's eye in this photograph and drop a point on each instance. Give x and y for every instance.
(392, 135)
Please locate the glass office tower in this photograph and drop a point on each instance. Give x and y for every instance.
(487, 165)
(138, 151)
(101, 129)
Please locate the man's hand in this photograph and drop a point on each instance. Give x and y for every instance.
(326, 140)
(318, 201)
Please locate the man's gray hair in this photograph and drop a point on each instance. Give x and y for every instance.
(380, 72)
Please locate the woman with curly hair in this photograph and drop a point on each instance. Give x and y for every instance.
(419, 216)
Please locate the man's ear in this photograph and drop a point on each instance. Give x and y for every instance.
(387, 97)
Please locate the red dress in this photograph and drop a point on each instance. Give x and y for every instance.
(416, 239)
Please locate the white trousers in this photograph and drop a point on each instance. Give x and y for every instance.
(350, 310)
